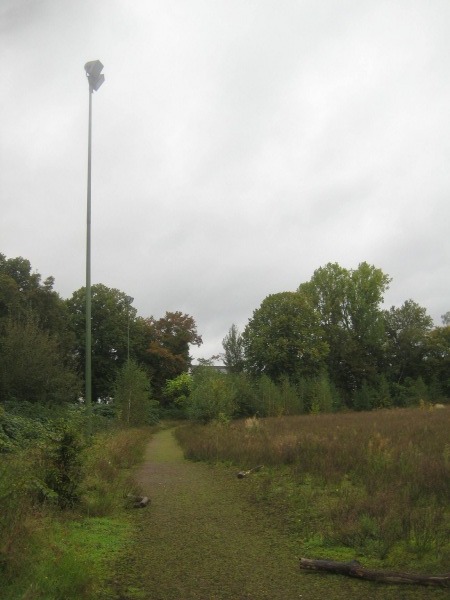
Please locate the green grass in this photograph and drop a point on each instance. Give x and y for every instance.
(69, 559)
(54, 554)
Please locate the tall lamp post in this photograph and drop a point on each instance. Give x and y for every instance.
(95, 79)
(130, 301)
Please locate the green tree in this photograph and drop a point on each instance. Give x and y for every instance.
(364, 397)
(322, 394)
(132, 396)
(407, 332)
(383, 398)
(437, 360)
(112, 315)
(290, 398)
(284, 338)
(233, 345)
(417, 391)
(178, 390)
(245, 393)
(269, 397)
(348, 304)
(33, 367)
(62, 466)
(212, 396)
(167, 342)
(23, 295)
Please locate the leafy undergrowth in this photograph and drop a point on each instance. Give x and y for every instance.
(53, 554)
(371, 486)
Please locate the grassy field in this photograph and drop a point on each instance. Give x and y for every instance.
(201, 539)
(372, 486)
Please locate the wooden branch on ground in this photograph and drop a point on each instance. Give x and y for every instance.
(243, 474)
(355, 569)
(137, 501)
(141, 502)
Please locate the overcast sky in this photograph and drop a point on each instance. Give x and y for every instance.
(238, 145)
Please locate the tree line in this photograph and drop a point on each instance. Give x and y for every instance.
(330, 344)
(333, 329)
(42, 341)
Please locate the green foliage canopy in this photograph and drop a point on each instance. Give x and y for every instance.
(166, 354)
(348, 302)
(32, 365)
(407, 332)
(284, 337)
(111, 316)
(233, 345)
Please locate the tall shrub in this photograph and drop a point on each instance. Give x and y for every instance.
(271, 403)
(132, 396)
(291, 400)
(245, 394)
(62, 466)
(322, 397)
(212, 396)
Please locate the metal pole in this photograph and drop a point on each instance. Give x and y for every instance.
(129, 301)
(128, 336)
(88, 372)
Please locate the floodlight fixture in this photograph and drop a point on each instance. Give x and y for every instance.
(94, 74)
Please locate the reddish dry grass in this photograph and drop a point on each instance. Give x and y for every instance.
(401, 444)
(384, 476)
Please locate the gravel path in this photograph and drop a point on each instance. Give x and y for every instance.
(200, 539)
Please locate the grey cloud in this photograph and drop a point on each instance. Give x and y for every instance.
(237, 147)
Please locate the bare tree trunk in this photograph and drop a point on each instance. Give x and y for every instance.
(355, 569)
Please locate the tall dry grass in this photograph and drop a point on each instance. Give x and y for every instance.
(107, 466)
(374, 482)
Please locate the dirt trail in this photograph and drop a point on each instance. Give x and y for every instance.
(199, 539)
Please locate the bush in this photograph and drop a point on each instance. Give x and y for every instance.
(61, 464)
(132, 397)
(245, 394)
(364, 398)
(271, 404)
(212, 396)
(18, 432)
(322, 395)
(178, 390)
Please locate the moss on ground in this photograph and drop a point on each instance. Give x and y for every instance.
(201, 538)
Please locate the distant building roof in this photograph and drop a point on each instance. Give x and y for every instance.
(219, 368)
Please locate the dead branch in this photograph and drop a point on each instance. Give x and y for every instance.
(243, 474)
(355, 569)
(137, 501)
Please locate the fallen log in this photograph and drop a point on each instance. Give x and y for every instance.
(355, 569)
(141, 502)
(243, 474)
(137, 501)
